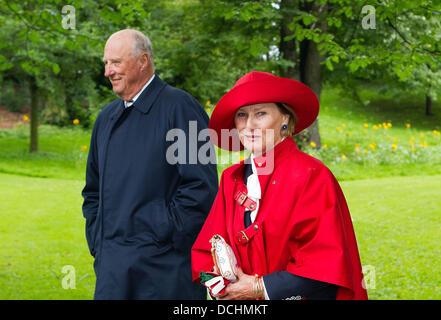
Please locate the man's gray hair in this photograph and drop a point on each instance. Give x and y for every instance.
(142, 44)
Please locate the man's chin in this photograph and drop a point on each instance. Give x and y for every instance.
(117, 90)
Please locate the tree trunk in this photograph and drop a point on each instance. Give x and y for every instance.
(310, 66)
(287, 49)
(428, 106)
(311, 76)
(33, 146)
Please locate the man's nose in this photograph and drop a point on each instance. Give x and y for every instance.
(108, 71)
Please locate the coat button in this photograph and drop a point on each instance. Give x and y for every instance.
(256, 227)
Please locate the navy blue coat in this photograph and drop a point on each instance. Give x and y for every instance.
(143, 213)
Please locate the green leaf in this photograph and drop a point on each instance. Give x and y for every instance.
(329, 65)
(56, 68)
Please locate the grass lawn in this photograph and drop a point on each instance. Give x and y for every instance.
(42, 230)
(396, 221)
(397, 225)
(62, 152)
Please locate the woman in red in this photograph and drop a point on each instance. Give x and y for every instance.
(282, 211)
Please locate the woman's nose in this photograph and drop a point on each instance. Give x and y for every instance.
(251, 122)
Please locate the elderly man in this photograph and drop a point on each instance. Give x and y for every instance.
(143, 211)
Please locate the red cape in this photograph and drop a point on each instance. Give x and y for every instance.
(303, 225)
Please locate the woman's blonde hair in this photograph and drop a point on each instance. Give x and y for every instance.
(286, 109)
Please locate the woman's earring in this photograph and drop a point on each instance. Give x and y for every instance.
(284, 127)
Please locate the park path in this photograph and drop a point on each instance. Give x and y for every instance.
(9, 119)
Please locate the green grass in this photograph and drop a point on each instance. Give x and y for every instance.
(342, 121)
(42, 230)
(60, 152)
(397, 226)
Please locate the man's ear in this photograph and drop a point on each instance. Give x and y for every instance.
(144, 61)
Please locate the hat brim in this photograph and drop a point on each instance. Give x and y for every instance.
(300, 97)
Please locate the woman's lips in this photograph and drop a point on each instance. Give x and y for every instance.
(252, 137)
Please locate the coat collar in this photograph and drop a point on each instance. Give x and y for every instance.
(145, 100)
(149, 95)
(266, 163)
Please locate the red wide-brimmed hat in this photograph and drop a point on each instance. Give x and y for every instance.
(262, 87)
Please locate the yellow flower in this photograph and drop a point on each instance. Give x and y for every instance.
(366, 125)
(411, 142)
(380, 125)
(25, 118)
(424, 144)
(313, 144)
(375, 127)
(325, 145)
(207, 110)
(76, 121)
(388, 137)
(394, 146)
(413, 138)
(421, 135)
(389, 124)
(436, 133)
(407, 125)
(365, 131)
(348, 134)
(395, 140)
(343, 125)
(208, 103)
(357, 146)
(83, 148)
(241, 158)
(365, 151)
(372, 146)
(343, 157)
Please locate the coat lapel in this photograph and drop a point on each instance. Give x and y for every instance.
(148, 97)
(115, 114)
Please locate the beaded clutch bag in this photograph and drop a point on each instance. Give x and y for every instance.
(225, 261)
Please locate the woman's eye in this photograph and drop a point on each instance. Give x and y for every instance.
(261, 113)
(241, 115)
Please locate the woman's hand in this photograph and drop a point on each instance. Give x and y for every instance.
(242, 289)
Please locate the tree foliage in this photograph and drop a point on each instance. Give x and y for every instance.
(204, 46)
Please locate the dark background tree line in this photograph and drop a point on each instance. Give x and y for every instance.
(204, 46)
